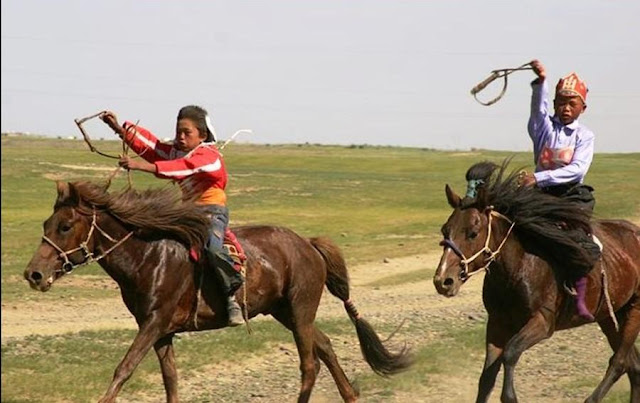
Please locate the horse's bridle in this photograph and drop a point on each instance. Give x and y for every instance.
(491, 255)
(68, 265)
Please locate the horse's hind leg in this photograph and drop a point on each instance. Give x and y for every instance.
(625, 357)
(303, 334)
(164, 351)
(323, 348)
(634, 375)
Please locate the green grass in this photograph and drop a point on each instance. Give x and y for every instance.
(78, 367)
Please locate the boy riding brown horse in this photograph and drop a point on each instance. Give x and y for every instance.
(563, 150)
(511, 232)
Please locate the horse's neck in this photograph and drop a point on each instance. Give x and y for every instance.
(511, 254)
(134, 261)
(121, 259)
(516, 272)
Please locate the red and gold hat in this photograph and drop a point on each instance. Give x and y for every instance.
(572, 86)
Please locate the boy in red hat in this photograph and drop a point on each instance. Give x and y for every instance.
(563, 151)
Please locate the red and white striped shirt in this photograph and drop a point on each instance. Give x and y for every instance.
(200, 172)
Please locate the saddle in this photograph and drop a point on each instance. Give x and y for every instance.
(234, 249)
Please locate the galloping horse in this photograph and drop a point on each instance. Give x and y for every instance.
(143, 241)
(514, 233)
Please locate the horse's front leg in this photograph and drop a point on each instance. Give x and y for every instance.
(496, 338)
(535, 330)
(164, 351)
(147, 335)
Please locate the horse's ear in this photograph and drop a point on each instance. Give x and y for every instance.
(452, 197)
(63, 190)
(67, 193)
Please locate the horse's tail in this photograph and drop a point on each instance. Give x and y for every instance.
(380, 359)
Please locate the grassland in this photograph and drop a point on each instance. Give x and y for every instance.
(375, 202)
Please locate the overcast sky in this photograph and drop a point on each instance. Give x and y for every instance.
(331, 72)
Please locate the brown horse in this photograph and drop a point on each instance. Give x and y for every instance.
(143, 241)
(513, 233)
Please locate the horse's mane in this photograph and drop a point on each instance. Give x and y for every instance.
(155, 213)
(542, 221)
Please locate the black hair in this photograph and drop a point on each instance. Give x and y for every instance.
(198, 115)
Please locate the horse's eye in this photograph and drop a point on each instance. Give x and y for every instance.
(65, 227)
(472, 235)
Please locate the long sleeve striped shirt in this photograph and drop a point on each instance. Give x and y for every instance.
(200, 172)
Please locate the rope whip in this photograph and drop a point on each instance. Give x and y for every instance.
(495, 74)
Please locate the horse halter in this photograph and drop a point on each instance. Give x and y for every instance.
(491, 255)
(68, 265)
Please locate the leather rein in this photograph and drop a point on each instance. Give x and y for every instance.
(486, 250)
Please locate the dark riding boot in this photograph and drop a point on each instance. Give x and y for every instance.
(581, 292)
(230, 280)
(235, 313)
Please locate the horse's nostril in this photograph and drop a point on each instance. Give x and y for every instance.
(448, 282)
(36, 276)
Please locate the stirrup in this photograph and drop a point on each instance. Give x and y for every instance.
(569, 289)
(237, 257)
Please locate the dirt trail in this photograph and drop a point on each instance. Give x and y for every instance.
(549, 372)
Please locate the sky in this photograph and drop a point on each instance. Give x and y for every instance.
(321, 72)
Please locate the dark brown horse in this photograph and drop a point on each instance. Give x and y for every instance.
(143, 240)
(513, 233)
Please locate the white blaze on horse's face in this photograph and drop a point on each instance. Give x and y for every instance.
(444, 286)
(464, 235)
